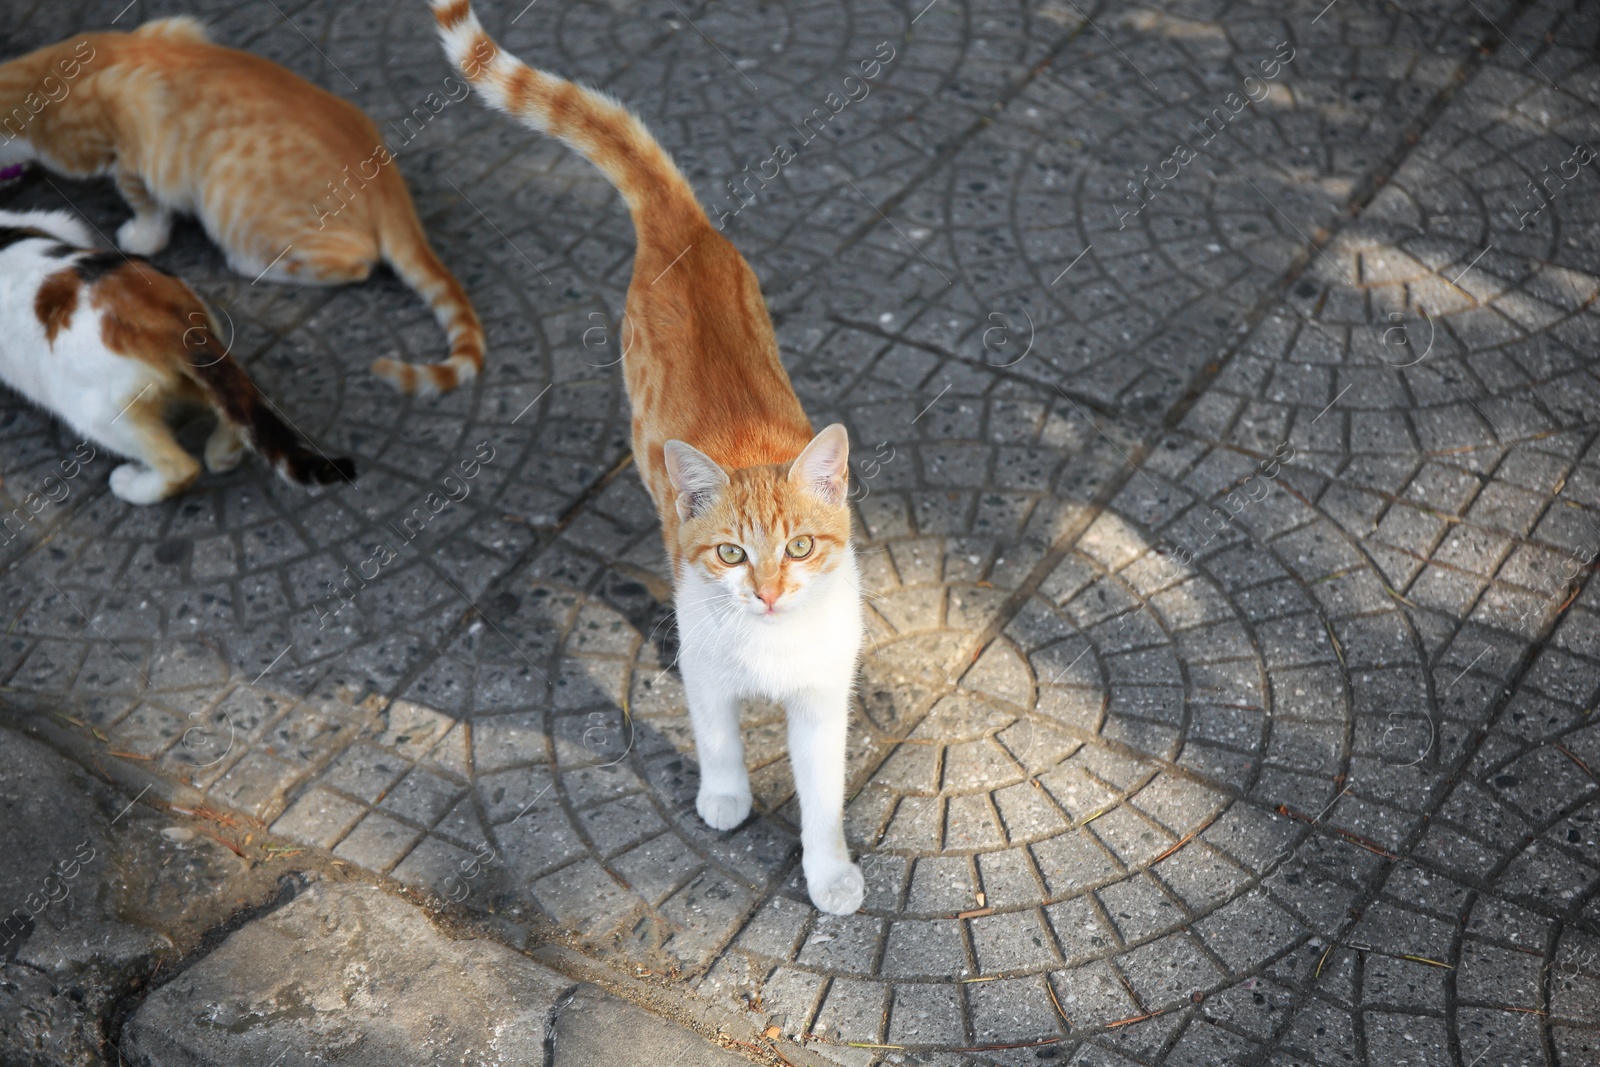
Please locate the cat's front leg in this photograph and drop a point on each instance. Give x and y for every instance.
(818, 723)
(147, 232)
(724, 799)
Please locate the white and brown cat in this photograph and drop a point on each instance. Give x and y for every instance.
(752, 505)
(112, 346)
(251, 150)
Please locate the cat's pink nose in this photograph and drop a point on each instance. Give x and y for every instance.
(768, 597)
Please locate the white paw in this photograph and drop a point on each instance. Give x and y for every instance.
(220, 462)
(223, 452)
(721, 811)
(836, 886)
(138, 484)
(143, 235)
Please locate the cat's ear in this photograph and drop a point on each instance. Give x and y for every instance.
(695, 477)
(824, 467)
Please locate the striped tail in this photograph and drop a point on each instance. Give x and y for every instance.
(607, 133)
(236, 397)
(406, 249)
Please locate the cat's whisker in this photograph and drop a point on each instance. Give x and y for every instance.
(715, 618)
(721, 595)
(670, 616)
(868, 593)
(673, 615)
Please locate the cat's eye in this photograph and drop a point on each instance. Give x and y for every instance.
(732, 555)
(799, 547)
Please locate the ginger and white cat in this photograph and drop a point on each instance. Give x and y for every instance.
(752, 506)
(251, 150)
(111, 345)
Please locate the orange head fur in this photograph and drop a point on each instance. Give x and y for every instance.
(763, 533)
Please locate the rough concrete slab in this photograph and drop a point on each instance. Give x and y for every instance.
(352, 975)
(95, 892)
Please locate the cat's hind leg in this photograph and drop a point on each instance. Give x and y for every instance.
(162, 467)
(724, 798)
(818, 723)
(147, 232)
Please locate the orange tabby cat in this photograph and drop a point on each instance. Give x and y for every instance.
(253, 151)
(752, 506)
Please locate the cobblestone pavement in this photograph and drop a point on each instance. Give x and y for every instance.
(1233, 638)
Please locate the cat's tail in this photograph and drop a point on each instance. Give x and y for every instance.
(605, 131)
(237, 399)
(405, 248)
